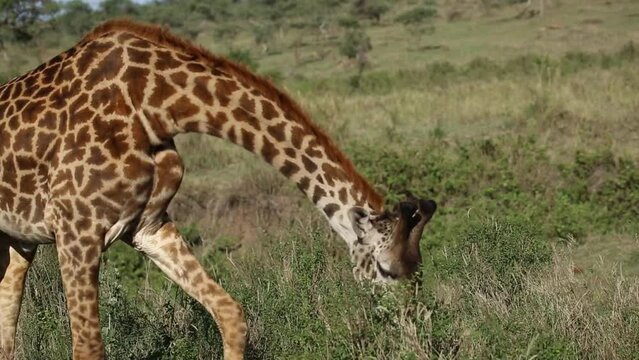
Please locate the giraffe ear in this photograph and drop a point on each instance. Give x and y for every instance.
(360, 218)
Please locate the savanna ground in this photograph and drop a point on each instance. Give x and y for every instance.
(524, 126)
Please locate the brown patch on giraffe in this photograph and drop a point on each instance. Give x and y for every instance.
(17, 90)
(290, 152)
(49, 74)
(248, 140)
(161, 91)
(90, 53)
(42, 92)
(343, 195)
(80, 114)
(26, 163)
(269, 152)
(223, 89)
(14, 122)
(5, 137)
(297, 136)
(289, 168)
(32, 111)
(330, 209)
(48, 121)
(268, 110)
(23, 207)
(243, 116)
(134, 167)
(140, 43)
(311, 150)
(195, 67)
(65, 74)
(78, 175)
(112, 135)
(166, 61)
(333, 174)
(20, 104)
(247, 103)
(74, 145)
(30, 85)
(3, 108)
(23, 139)
(201, 90)
(96, 179)
(304, 183)
(139, 56)
(27, 184)
(107, 69)
(59, 97)
(96, 157)
(318, 194)
(136, 81)
(231, 134)
(179, 78)
(309, 165)
(7, 198)
(183, 108)
(216, 122)
(156, 123)
(124, 38)
(278, 131)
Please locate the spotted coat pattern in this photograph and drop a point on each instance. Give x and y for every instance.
(86, 158)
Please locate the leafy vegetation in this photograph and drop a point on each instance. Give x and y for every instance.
(530, 152)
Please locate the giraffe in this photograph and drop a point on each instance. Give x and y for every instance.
(87, 158)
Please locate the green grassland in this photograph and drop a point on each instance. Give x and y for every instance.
(525, 131)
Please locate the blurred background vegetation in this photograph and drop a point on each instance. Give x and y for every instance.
(521, 118)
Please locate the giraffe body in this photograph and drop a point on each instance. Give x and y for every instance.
(87, 158)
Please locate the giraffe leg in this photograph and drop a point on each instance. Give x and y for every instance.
(79, 265)
(168, 250)
(14, 263)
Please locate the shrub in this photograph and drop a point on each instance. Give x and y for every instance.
(494, 257)
(416, 15)
(354, 43)
(243, 57)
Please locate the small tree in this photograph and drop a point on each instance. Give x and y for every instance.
(416, 15)
(77, 17)
(227, 33)
(355, 42)
(371, 9)
(20, 19)
(355, 45)
(418, 22)
(263, 34)
(114, 8)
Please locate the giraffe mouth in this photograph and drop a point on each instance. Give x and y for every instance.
(385, 273)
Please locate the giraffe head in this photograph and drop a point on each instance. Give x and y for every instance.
(387, 246)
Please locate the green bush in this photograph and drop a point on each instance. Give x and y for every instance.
(496, 256)
(243, 57)
(416, 15)
(354, 43)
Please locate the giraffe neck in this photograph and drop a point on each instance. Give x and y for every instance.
(256, 121)
(211, 95)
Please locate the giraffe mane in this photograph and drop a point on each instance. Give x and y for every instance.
(163, 37)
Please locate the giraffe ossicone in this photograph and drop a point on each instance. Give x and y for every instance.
(87, 157)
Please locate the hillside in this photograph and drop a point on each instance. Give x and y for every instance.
(524, 130)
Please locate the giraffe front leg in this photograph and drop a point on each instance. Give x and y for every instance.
(79, 259)
(14, 263)
(170, 252)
